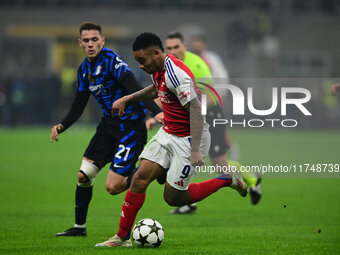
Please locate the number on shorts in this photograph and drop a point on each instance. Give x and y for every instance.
(121, 149)
(185, 172)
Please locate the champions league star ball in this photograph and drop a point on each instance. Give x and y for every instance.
(147, 233)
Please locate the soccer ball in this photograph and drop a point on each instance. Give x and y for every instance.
(147, 233)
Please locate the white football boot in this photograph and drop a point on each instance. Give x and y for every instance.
(115, 241)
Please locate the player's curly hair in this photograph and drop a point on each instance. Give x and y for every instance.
(146, 40)
(89, 25)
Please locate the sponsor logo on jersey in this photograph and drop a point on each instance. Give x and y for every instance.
(120, 63)
(183, 95)
(97, 89)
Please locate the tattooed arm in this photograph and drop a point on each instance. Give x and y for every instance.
(145, 94)
(196, 127)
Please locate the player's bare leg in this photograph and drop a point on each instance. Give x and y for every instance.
(134, 199)
(199, 191)
(175, 197)
(237, 183)
(115, 183)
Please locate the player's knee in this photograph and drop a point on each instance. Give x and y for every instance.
(115, 188)
(87, 174)
(82, 178)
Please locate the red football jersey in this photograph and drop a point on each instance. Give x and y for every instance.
(176, 87)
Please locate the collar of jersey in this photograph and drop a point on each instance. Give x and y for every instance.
(96, 62)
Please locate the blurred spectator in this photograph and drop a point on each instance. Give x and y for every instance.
(18, 98)
(213, 60)
(335, 89)
(68, 81)
(220, 76)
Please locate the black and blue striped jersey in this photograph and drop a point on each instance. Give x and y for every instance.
(102, 79)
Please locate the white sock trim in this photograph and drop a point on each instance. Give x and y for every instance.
(80, 226)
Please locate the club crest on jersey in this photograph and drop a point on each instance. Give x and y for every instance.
(91, 78)
(163, 96)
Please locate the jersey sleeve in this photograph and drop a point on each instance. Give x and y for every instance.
(183, 88)
(82, 82)
(79, 102)
(119, 68)
(77, 108)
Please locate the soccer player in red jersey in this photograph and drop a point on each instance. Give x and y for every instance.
(178, 147)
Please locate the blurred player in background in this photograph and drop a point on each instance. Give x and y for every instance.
(118, 140)
(178, 146)
(220, 76)
(335, 89)
(175, 45)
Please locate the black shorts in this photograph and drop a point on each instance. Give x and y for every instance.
(218, 145)
(119, 142)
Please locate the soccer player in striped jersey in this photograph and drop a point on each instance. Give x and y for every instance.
(118, 140)
(179, 146)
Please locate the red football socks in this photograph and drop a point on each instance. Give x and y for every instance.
(199, 191)
(132, 203)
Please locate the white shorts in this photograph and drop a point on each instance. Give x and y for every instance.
(173, 152)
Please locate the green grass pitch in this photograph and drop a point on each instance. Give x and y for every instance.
(295, 215)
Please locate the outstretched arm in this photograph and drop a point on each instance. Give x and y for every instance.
(72, 116)
(145, 94)
(131, 85)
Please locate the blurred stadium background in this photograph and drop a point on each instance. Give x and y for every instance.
(268, 39)
(263, 43)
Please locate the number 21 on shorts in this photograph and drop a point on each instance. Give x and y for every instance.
(121, 150)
